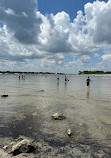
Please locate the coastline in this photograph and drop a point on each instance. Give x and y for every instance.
(84, 73)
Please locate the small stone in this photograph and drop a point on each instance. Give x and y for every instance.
(57, 116)
(35, 114)
(81, 124)
(69, 132)
(5, 147)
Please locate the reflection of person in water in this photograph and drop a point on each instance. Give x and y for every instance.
(88, 94)
(88, 82)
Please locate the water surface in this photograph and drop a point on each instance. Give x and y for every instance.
(31, 102)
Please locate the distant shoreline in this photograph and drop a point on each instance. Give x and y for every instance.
(19, 72)
(81, 73)
(94, 73)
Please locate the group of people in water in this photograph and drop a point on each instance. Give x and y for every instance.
(23, 77)
(88, 80)
(66, 79)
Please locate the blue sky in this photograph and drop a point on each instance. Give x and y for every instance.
(55, 35)
(69, 6)
(55, 6)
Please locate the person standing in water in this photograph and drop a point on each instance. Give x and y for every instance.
(88, 82)
(19, 76)
(22, 76)
(66, 79)
(58, 78)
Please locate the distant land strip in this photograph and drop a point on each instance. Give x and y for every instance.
(52, 73)
(93, 72)
(19, 72)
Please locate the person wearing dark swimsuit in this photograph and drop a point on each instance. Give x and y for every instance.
(88, 82)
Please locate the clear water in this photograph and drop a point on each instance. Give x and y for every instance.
(28, 110)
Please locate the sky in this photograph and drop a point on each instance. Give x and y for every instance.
(55, 36)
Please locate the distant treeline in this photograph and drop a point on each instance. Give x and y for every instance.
(19, 72)
(94, 72)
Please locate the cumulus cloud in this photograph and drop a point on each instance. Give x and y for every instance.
(99, 21)
(9, 11)
(28, 35)
(85, 59)
(20, 17)
(54, 34)
(106, 57)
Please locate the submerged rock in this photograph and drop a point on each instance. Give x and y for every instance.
(5, 95)
(5, 147)
(69, 132)
(23, 146)
(57, 116)
(35, 114)
(20, 116)
(41, 90)
(81, 124)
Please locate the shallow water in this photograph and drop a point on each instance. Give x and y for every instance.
(28, 109)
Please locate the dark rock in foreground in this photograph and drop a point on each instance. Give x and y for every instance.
(4, 95)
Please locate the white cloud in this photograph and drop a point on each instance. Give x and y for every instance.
(98, 21)
(54, 37)
(43, 41)
(24, 14)
(21, 19)
(9, 11)
(106, 57)
(86, 59)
